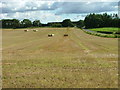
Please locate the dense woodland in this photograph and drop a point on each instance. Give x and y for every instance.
(90, 21)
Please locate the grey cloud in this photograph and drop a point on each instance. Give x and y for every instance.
(64, 7)
(5, 10)
(84, 7)
(30, 5)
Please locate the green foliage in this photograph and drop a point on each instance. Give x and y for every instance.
(93, 21)
(110, 29)
(10, 23)
(67, 23)
(90, 21)
(16, 23)
(113, 35)
(56, 25)
(37, 23)
(101, 20)
(80, 23)
(26, 23)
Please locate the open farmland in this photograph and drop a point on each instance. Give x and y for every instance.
(34, 60)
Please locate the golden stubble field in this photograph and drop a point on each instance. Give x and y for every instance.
(34, 60)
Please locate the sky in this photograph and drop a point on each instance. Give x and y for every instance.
(54, 11)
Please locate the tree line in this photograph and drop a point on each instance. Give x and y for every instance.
(101, 20)
(15, 23)
(90, 21)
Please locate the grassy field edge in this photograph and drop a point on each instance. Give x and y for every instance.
(102, 35)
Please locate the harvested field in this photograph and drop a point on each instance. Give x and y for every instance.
(80, 60)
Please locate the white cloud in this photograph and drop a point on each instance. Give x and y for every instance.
(63, 7)
(49, 11)
(43, 16)
(23, 6)
(86, 7)
(61, 0)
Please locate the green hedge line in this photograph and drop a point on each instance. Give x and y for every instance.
(103, 35)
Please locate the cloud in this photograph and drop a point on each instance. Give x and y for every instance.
(62, 0)
(60, 7)
(43, 16)
(86, 7)
(49, 11)
(12, 7)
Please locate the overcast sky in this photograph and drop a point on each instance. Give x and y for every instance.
(52, 11)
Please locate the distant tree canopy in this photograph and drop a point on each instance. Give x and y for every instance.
(67, 23)
(90, 21)
(101, 20)
(26, 23)
(80, 23)
(10, 23)
(37, 23)
(15, 23)
(55, 24)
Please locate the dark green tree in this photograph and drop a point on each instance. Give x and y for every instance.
(56, 25)
(26, 23)
(10, 23)
(16, 23)
(37, 23)
(107, 20)
(93, 21)
(67, 23)
(101, 20)
(80, 23)
(115, 21)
